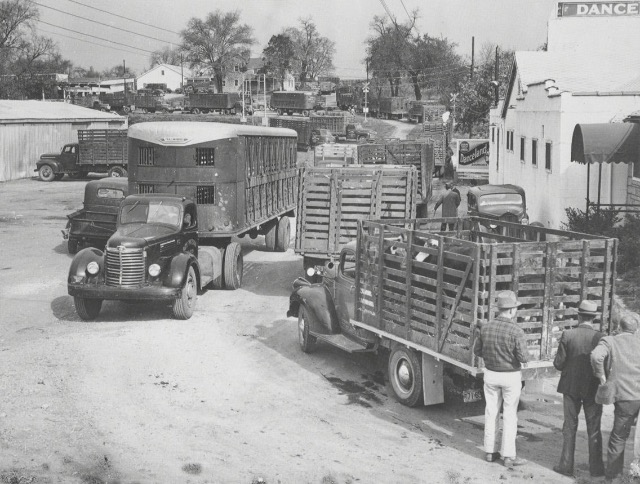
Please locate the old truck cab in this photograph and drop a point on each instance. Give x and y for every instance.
(52, 166)
(505, 202)
(153, 255)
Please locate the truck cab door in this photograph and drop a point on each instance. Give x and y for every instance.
(69, 157)
(345, 289)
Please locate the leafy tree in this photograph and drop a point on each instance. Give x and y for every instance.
(166, 55)
(279, 56)
(313, 53)
(16, 20)
(118, 71)
(477, 95)
(217, 43)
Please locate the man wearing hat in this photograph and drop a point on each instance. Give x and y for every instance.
(620, 352)
(450, 200)
(578, 386)
(503, 347)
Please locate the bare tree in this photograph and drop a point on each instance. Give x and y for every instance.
(313, 53)
(166, 55)
(16, 19)
(217, 43)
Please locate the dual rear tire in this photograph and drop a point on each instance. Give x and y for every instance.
(277, 236)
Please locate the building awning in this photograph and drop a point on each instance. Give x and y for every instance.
(606, 142)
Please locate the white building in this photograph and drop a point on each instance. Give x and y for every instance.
(172, 76)
(590, 74)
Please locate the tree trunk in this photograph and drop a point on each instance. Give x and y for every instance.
(219, 78)
(416, 87)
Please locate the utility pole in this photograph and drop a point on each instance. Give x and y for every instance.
(473, 54)
(495, 74)
(181, 73)
(124, 77)
(264, 120)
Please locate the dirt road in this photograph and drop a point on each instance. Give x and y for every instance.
(225, 397)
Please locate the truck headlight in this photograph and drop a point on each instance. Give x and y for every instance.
(93, 268)
(154, 270)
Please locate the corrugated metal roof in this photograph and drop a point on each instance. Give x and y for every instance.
(579, 71)
(13, 111)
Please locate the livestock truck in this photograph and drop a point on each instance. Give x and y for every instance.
(290, 102)
(342, 127)
(423, 111)
(331, 201)
(97, 151)
(219, 103)
(422, 295)
(394, 107)
(192, 188)
(127, 102)
(301, 126)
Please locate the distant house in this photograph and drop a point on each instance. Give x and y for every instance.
(29, 129)
(170, 75)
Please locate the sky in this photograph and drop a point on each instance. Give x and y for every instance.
(149, 25)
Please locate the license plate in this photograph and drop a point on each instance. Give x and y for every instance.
(469, 396)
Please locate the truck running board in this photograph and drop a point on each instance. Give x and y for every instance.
(344, 343)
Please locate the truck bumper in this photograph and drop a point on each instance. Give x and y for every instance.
(99, 291)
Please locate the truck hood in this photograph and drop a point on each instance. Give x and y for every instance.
(134, 236)
(49, 156)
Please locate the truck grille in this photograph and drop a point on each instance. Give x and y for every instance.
(125, 267)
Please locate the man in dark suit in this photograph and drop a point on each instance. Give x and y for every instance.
(578, 386)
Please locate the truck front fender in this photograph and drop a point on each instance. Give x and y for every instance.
(78, 269)
(176, 276)
(319, 306)
(55, 164)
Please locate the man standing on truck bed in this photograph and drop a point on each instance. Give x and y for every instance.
(578, 386)
(502, 345)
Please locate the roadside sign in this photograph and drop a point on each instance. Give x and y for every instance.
(366, 89)
(365, 110)
(365, 86)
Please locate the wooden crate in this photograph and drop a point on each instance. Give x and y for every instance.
(331, 201)
(334, 155)
(435, 288)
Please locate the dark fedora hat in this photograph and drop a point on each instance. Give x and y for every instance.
(507, 300)
(588, 308)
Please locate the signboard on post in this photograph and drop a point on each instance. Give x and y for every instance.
(470, 158)
(598, 9)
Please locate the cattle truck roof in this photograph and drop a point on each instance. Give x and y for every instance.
(187, 133)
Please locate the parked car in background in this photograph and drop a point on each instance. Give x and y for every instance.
(504, 202)
(95, 222)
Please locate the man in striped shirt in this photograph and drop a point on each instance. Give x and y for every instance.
(503, 347)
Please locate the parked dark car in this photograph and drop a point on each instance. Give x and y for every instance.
(321, 136)
(505, 202)
(96, 221)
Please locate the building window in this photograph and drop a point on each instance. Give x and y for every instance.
(205, 156)
(146, 156)
(510, 140)
(224, 83)
(493, 134)
(236, 83)
(534, 152)
(522, 145)
(547, 155)
(236, 68)
(206, 195)
(162, 72)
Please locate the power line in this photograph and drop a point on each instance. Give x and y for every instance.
(95, 37)
(100, 23)
(94, 43)
(126, 18)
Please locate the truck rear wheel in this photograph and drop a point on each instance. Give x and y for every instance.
(271, 235)
(117, 172)
(307, 342)
(87, 309)
(405, 375)
(284, 234)
(183, 306)
(233, 265)
(46, 173)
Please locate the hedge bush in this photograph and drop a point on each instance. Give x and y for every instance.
(607, 222)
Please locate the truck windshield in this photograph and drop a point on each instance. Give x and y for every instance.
(497, 199)
(154, 212)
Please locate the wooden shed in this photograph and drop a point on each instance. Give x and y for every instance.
(29, 129)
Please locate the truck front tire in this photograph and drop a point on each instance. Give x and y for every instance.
(233, 266)
(405, 375)
(87, 309)
(183, 306)
(307, 341)
(46, 173)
